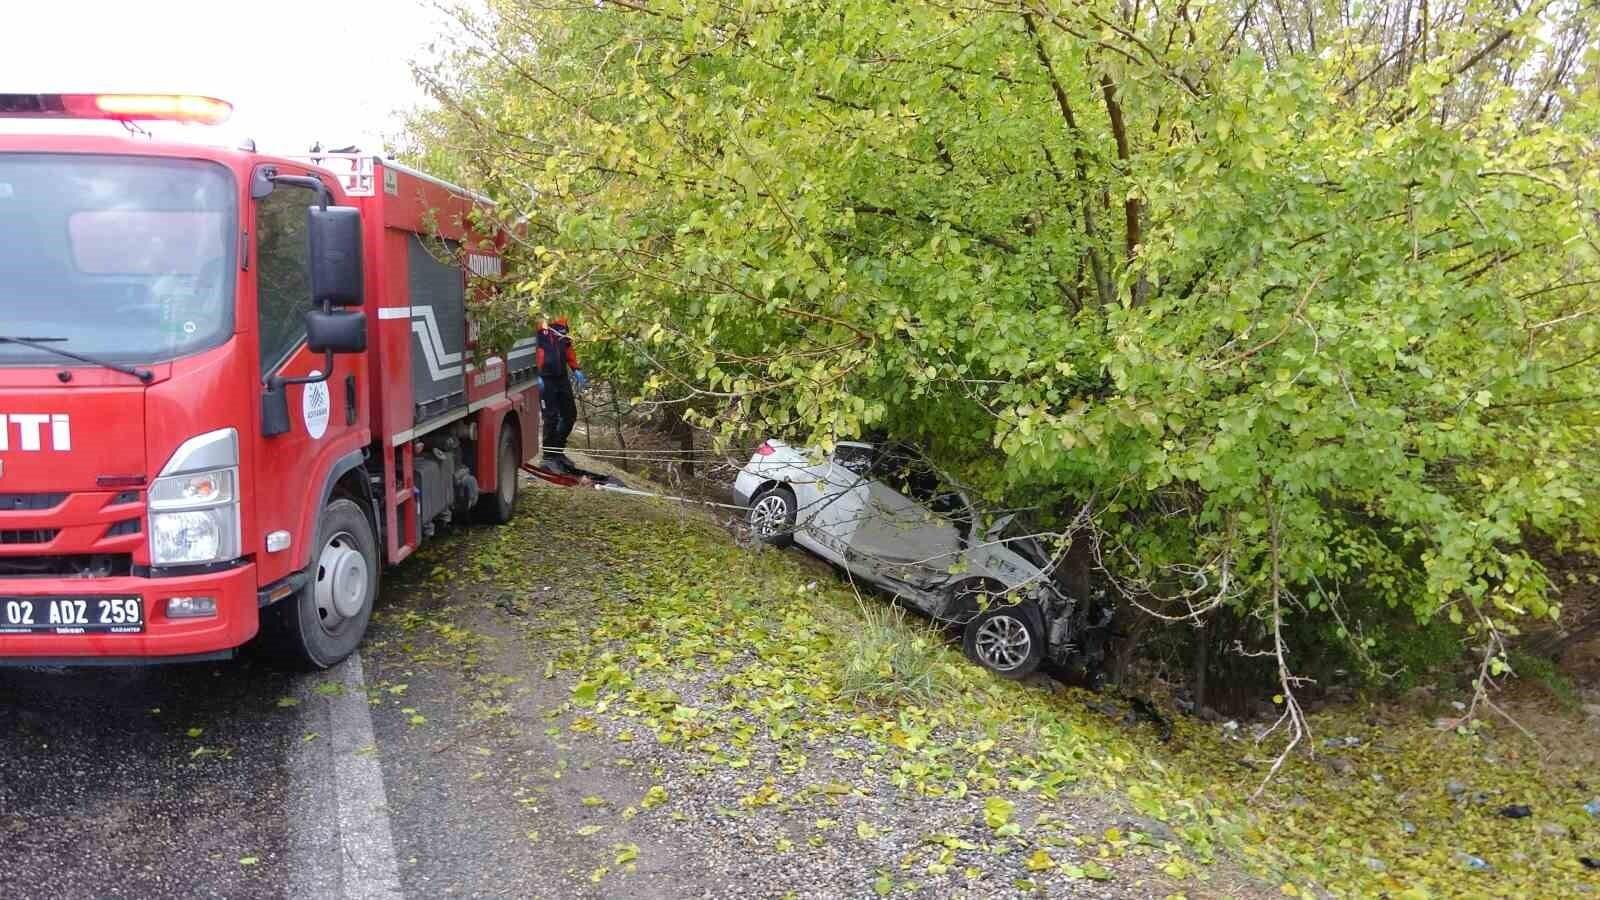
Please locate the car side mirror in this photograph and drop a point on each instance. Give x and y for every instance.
(336, 332)
(335, 255)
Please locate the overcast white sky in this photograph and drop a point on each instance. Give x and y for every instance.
(296, 71)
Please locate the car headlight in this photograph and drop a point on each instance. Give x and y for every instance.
(194, 515)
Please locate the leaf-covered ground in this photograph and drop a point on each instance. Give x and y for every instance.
(715, 673)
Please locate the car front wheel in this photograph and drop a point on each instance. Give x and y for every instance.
(1004, 640)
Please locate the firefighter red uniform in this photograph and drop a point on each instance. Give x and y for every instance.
(557, 364)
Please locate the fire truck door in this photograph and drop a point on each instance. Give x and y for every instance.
(323, 416)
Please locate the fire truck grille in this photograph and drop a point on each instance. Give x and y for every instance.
(30, 501)
(28, 535)
(75, 565)
(126, 526)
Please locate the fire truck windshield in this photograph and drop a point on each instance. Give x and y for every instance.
(126, 259)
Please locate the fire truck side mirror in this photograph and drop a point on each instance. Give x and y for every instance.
(336, 332)
(335, 255)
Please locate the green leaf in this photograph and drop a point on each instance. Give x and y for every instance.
(997, 811)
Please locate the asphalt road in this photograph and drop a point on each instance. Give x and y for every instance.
(143, 782)
(238, 779)
(219, 780)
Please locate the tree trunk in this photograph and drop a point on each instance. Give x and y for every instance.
(1130, 625)
(684, 432)
(616, 423)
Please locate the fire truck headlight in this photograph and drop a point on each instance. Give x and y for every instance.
(190, 491)
(195, 536)
(194, 504)
(194, 518)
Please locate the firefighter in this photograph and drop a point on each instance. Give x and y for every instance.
(558, 368)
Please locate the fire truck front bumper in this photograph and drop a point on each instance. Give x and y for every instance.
(127, 620)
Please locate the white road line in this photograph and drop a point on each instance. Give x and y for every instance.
(340, 842)
(370, 872)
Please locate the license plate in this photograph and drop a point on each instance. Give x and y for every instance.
(71, 615)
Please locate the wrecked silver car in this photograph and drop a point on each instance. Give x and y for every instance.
(887, 517)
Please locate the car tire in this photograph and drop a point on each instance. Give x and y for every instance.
(324, 622)
(1004, 640)
(498, 506)
(772, 515)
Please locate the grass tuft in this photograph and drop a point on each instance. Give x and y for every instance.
(891, 661)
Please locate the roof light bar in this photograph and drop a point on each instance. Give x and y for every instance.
(122, 107)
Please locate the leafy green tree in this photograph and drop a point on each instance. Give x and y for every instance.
(1298, 299)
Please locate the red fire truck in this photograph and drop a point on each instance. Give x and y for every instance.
(232, 387)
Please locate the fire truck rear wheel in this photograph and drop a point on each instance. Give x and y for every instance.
(498, 506)
(323, 623)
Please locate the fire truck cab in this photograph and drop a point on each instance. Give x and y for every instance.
(233, 386)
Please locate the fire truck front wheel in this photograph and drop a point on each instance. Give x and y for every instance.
(322, 624)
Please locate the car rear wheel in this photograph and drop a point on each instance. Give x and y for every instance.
(322, 623)
(1004, 640)
(772, 516)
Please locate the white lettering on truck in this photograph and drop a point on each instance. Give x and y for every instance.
(30, 431)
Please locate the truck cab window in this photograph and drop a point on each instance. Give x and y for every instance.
(283, 266)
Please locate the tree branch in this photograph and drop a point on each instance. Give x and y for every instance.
(1119, 131)
(1102, 278)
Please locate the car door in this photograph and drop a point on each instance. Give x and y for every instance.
(841, 495)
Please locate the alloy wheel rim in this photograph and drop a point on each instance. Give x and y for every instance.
(769, 515)
(1003, 643)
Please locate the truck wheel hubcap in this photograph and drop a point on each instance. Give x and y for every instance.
(341, 586)
(1003, 643)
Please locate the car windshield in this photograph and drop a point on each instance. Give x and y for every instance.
(1023, 540)
(125, 259)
